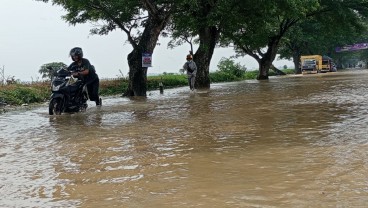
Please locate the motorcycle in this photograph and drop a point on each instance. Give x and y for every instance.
(69, 94)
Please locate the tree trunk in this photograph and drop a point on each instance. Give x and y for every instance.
(264, 67)
(148, 41)
(277, 71)
(296, 60)
(266, 61)
(296, 47)
(137, 75)
(208, 38)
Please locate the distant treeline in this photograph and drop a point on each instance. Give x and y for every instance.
(38, 92)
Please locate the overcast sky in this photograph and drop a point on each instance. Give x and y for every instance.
(33, 33)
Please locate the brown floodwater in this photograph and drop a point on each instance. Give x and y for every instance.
(292, 141)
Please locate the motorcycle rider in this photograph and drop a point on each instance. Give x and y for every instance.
(82, 68)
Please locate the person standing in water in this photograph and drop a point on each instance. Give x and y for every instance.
(191, 68)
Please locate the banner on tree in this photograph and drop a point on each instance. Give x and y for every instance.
(146, 60)
(355, 47)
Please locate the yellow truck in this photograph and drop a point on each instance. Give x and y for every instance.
(313, 64)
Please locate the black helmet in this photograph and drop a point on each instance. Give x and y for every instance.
(76, 52)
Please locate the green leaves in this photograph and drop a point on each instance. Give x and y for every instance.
(46, 72)
(19, 94)
(252, 27)
(335, 23)
(106, 15)
(228, 65)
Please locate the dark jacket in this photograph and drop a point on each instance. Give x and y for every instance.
(85, 64)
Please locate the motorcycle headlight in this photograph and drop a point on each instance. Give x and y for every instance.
(55, 87)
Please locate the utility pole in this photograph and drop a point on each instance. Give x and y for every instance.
(2, 75)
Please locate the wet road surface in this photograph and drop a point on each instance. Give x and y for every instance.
(295, 141)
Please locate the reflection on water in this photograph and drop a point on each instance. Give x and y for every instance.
(296, 141)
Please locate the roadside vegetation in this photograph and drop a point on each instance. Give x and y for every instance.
(38, 92)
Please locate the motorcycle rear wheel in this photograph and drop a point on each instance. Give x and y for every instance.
(55, 106)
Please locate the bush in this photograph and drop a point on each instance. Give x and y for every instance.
(113, 86)
(19, 94)
(289, 71)
(227, 65)
(221, 76)
(168, 80)
(251, 74)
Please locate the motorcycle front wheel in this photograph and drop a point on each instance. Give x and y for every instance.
(55, 106)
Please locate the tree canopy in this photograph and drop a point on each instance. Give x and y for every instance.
(45, 69)
(268, 23)
(255, 28)
(322, 33)
(141, 20)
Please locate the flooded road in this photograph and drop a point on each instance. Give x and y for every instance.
(296, 141)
